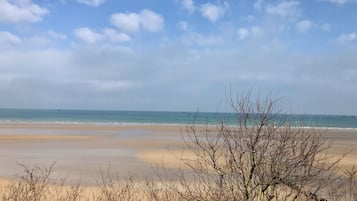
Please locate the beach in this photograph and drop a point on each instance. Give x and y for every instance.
(81, 151)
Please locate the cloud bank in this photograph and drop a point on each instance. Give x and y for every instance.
(21, 12)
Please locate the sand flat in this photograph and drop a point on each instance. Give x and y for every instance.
(80, 150)
(19, 137)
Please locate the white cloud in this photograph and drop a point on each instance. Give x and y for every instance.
(127, 22)
(286, 9)
(249, 18)
(151, 21)
(213, 12)
(114, 36)
(258, 5)
(340, 1)
(93, 3)
(109, 85)
(243, 33)
(20, 11)
(89, 36)
(188, 5)
(326, 27)
(9, 38)
(183, 26)
(56, 35)
(133, 22)
(303, 26)
(38, 41)
(254, 31)
(202, 40)
(346, 38)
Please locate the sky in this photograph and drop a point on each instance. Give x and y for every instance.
(178, 55)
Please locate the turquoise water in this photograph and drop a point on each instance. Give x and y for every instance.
(146, 117)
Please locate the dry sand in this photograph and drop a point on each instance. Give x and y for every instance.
(80, 150)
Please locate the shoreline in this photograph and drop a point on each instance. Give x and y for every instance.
(129, 124)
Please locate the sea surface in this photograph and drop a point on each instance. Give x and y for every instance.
(148, 117)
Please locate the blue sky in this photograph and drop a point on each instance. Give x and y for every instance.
(177, 55)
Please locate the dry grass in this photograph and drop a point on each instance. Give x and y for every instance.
(37, 184)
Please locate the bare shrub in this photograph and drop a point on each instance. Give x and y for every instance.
(156, 191)
(351, 182)
(266, 156)
(112, 188)
(32, 185)
(35, 184)
(336, 189)
(62, 192)
(344, 187)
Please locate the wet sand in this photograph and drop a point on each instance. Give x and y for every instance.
(81, 150)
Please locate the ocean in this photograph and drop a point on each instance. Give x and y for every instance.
(151, 117)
